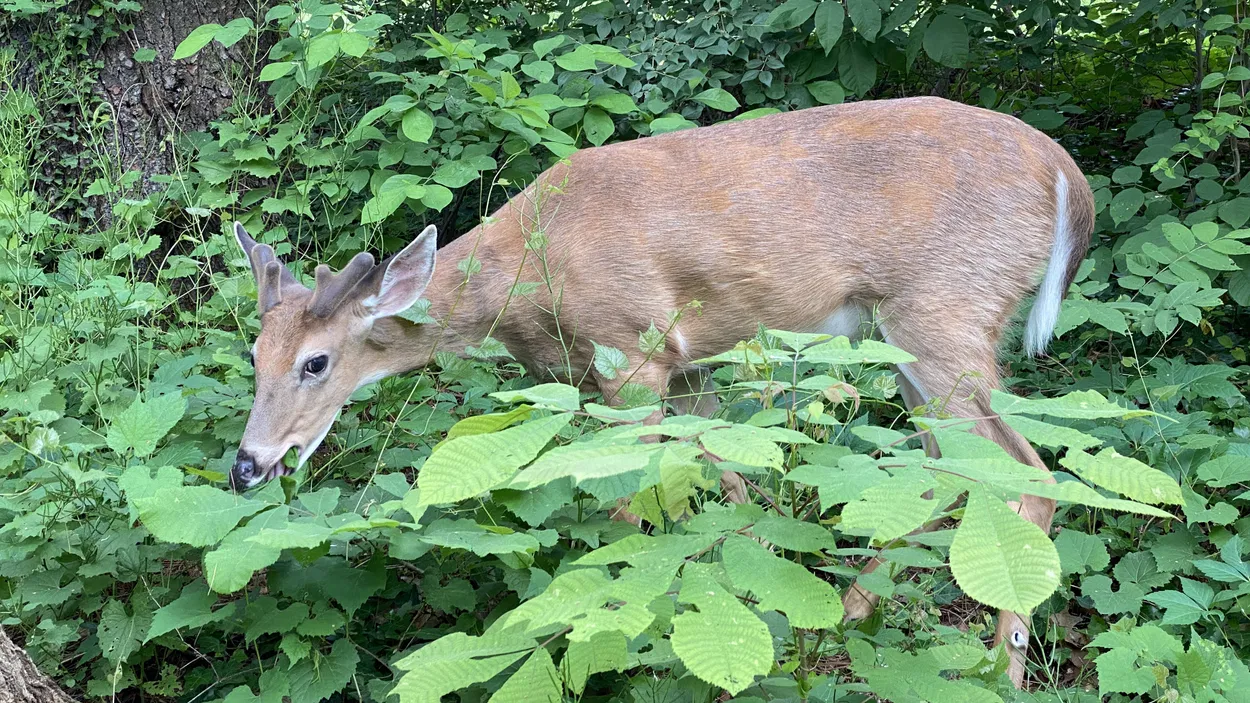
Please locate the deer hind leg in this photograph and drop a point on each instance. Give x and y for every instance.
(692, 392)
(956, 369)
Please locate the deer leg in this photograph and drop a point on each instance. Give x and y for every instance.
(693, 393)
(859, 602)
(957, 367)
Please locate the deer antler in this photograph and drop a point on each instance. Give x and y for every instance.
(334, 288)
(271, 276)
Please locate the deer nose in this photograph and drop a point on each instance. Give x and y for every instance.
(243, 473)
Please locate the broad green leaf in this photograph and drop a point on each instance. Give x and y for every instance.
(583, 461)
(1225, 471)
(468, 535)
(322, 49)
(120, 634)
(556, 396)
(234, 30)
(1079, 551)
(470, 465)
(542, 47)
(1179, 608)
(1048, 435)
(1118, 672)
(892, 508)
(722, 643)
(615, 103)
(606, 651)
(946, 40)
(717, 99)
(791, 14)
(321, 676)
(193, 608)
(1078, 405)
(598, 125)
(788, 533)
(1124, 475)
(744, 446)
(1001, 559)
(827, 92)
(537, 681)
(453, 662)
(1127, 599)
(417, 125)
(196, 40)
(778, 584)
(830, 17)
(1125, 204)
(230, 566)
(196, 515)
(838, 352)
(866, 16)
(144, 423)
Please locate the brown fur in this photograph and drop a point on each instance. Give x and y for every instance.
(938, 215)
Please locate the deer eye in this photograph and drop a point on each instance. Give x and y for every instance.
(316, 365)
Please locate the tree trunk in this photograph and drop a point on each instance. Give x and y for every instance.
(153, 103)
(20, 681)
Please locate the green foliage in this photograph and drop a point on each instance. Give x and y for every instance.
(454, 538)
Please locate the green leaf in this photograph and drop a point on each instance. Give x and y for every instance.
(583, 461)
(453, 662)
(1048, 435)
(791, 14)
(230, 567)
(322, 49)
(120, 634)
(1125, 204)
(616, 103)
(1079, 551)
(482, 541)
(599, 127)
(1001, 559)
(827, 92)
(234, 30)
(537, 681)
(196, 515)
(717, 99)
(1118, 673)
(321, 676)
(946, 41)
(542, 47)
(891, 508)
(778, 584)
(144, 423)
(1225, 471)
(722, 643)
(193, 608)
(609, 361)
(1179, 608)
(470, 465)
(1124, 475)
(1126, 600)
(838, 352)
(554, 396)
(788, 533)
(744, 445)
(830, 17)
(1079, 405)
(196, 40)
(145, 55)
(417, 125)
(866, 15)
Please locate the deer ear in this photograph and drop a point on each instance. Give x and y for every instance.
(246, 243)
(405, 278)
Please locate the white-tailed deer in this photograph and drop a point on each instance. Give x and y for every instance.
(938, 216)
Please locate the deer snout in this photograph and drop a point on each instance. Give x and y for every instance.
(243, 474)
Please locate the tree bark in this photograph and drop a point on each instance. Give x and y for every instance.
(153, 103)
(20, 681)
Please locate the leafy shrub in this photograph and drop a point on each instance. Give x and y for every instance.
(454, 536)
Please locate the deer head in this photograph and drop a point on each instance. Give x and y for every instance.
(316, 347)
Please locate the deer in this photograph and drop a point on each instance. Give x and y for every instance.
(924, 220)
